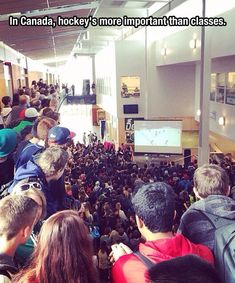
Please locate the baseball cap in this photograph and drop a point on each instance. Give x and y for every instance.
(31, 113)
(60, 135)
(7, 141)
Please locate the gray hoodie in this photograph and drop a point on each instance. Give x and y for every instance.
(196, 226)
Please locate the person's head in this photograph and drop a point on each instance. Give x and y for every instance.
(43, 126)
(107, 230)
(6, 101)
(18, 214)
(210, 179)
(118, 206)
(35, 103)
(184, 269)
(8, 140)
(63, 253)
(52, 161)
(106, 206)
(34, 191)
(23, 100)
(126, 191)
(103, 247)
(59, 136)
(154, 206)
(31, 114)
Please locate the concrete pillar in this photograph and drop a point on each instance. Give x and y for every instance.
(205, 81)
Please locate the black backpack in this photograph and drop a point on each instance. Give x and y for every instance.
(224, 247)
(4, 189)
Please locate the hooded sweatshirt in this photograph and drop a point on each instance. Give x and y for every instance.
(31, 169)
(129, 269)
(7, 266)
(195, 225)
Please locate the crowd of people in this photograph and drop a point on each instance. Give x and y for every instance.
(88, 213)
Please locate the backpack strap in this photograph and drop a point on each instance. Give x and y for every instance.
(147, 262)
(215, 220)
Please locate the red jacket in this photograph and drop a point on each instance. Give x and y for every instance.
(129, 269)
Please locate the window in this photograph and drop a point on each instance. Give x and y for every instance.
(220, 88)
(230, 89)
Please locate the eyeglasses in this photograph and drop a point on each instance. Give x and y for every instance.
(31, 185)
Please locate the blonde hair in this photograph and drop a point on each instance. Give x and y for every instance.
(16, 213)
(32, 193)
(52, 160)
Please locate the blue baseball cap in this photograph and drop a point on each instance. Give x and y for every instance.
(60, 135)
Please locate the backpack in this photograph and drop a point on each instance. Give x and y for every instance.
(4, 189)
(224, 247)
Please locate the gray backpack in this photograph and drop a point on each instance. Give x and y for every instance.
(224, 248)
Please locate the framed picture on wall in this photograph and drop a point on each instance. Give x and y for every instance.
(130, 87)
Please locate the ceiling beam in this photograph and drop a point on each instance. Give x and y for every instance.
(51, 11)
(42, 36)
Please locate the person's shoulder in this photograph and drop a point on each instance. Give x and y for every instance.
(197, 249)
(128, 268)
(190, 216)
(194, 210)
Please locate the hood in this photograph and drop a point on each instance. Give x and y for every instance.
(218, 205)
(29, 169)
(7, 264)
(165, 249)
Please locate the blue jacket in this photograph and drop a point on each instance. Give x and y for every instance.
(25, 152)
(31, 169)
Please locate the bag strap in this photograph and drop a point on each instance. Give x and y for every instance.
(147, 262)
(217, 221)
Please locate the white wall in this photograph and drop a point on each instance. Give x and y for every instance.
(228, 111)
(176, 82)
(10, 55)
(130, 61)
(220, 65)
(105, 68)
(171, 90)
(177, 45)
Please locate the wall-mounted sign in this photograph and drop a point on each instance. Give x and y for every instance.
(130, 87)
(129, 123)
(129, 129)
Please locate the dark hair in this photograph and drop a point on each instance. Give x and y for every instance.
(154, 204)
(211, 179)
(184, 269)
(45, 102)
(6, 100)
(63, 253)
